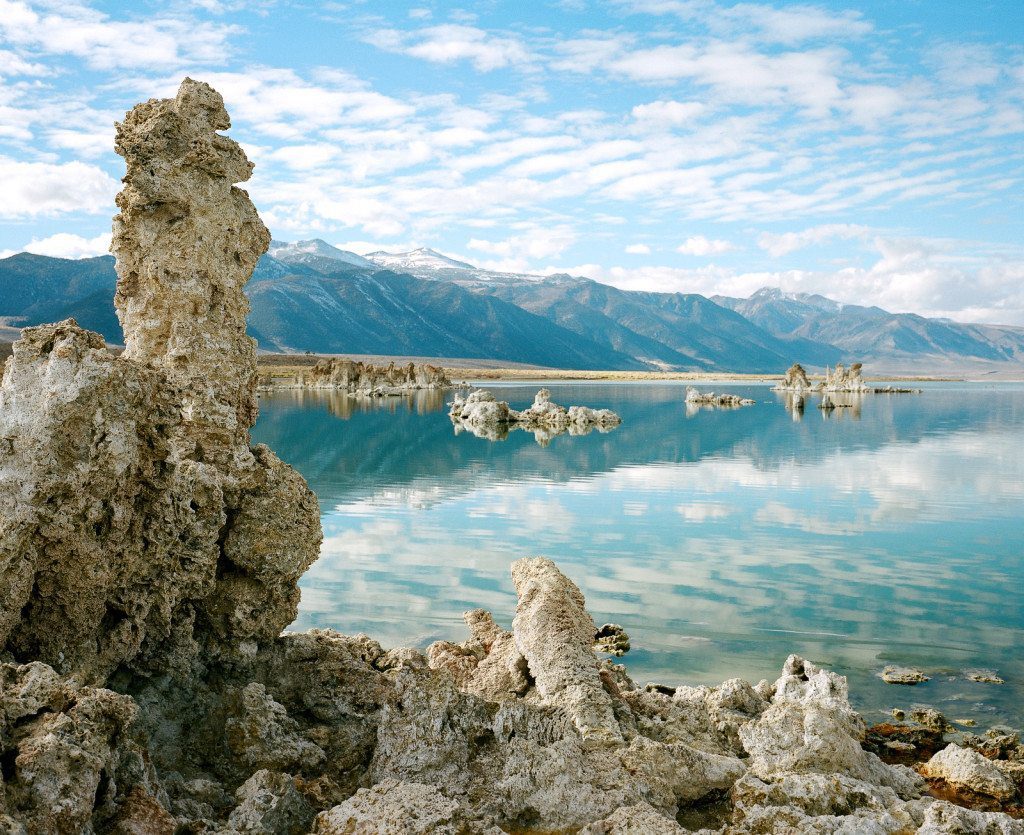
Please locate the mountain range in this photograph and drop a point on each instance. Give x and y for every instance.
(311, 296)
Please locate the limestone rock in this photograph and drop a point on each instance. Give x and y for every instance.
(639, 819)
(394, 808)
(186, 242)
(555, 635)
(373, 380)
(696, 398)
(795, 380)
(71, 762)
(138, 530)
(942, 818)
(482, 414)
(983, 676)
(963, 768)
(902, 675)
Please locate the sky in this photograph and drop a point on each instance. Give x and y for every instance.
(868, 151)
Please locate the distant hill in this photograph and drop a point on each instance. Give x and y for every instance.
(876, 336)
(310, 296)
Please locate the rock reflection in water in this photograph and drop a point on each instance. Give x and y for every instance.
(719, 544)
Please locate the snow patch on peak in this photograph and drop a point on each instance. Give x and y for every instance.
(298, 251)
(423, 258)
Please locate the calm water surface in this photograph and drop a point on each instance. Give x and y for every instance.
(721, 540)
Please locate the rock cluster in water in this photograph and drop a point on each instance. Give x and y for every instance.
(481, 413)
(149, 559)
(838, 380)
(725, 401)
(358, 378)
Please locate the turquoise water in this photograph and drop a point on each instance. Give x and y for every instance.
(720, 540)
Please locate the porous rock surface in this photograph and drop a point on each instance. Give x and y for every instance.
(149, 561)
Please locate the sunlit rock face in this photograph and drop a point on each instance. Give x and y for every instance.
(138, 528)
(149, 560)
(186, 241)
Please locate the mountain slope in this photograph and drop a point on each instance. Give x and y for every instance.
(37, 289)
(683, 330)
(875, 335)
(390, 313)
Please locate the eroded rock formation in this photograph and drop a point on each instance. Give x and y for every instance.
(696, 399)
(149, 559)
(795, 380)
(358, 378)
(481, 413)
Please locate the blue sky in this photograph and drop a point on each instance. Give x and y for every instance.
(871, 151)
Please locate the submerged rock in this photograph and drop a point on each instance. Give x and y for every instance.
(487, 417)
(902, 675)
(696, 398)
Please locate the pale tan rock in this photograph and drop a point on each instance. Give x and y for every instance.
(695, 398)
(639, 819)
(394, 808)
(942, 818)
(893, 674)
(485, 416)
(360, 378)
(795, 380)
(963, 768)
(186, 242)
(555, 635)
(130, 499)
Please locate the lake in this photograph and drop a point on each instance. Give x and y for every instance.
(721, 540)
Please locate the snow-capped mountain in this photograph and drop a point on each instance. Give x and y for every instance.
(432, 265)
(302, 252)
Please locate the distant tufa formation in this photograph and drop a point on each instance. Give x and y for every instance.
(148, 563)
(357, 378)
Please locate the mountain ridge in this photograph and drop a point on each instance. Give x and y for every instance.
(311, 296)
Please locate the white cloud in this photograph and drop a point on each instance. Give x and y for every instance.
(534, 242)
(638, 249)
(37, 188)
(104, 43)
(64, 245)
(778, 245)
(667, 113)
(700, 245)
(450, 43)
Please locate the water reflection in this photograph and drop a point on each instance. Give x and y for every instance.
(721, 542)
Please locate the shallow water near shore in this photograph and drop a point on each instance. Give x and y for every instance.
(889, 532)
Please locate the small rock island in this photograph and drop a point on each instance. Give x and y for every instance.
(481, 413)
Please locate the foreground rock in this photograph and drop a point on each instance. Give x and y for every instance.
(487, 417)
(149, 559)
(968, 770)
(365, 379)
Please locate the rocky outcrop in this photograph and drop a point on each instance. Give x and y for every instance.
(696, 399)
(149, 560)
(365, 379)
(965, 769)
(842, 379)
(481, 413)
(795, 380)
